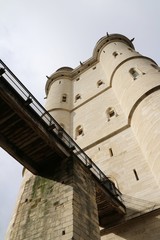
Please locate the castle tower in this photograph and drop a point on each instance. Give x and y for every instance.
(110, 106)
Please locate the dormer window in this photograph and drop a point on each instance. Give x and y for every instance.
(64, 97)
(77, 97)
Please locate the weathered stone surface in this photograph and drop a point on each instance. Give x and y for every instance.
(57, 208)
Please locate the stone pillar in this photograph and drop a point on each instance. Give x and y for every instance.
(62, 207)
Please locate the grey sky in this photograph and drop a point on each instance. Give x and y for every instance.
(39, 36)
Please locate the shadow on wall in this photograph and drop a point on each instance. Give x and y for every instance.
(142, 221)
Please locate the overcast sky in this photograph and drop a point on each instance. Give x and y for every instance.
(39, 36)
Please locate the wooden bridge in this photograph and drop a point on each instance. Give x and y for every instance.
(34, 138)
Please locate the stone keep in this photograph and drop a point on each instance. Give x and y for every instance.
(110, 106)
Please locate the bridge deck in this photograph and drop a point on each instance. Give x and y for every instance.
(38, 142)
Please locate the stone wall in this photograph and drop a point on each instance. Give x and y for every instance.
(63, 207)
(146, 227)
(124, 146)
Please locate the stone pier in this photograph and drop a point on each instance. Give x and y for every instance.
(62, 207)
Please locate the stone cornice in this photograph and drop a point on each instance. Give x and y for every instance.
(69, 73)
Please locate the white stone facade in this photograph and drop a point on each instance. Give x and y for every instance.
(112, 111)
(110, 106)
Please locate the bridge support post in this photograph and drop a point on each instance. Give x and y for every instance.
(62, 206)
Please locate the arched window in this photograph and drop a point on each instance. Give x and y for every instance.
(64, 97)
(99, 83)
(79, 131)
(110, 112)
(77, 97)
(135, 73)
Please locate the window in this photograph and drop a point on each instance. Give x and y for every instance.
(79, 131)
(99, 83)
(136, 175)
(110, 152)
(134, 72)
(110, 112)
(64, 97)
(77, 97)
(115, 54)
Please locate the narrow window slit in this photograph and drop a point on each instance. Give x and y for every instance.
(111, 152)
(136, 175)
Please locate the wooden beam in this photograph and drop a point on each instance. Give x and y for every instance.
(18, 155)
(32, 119)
